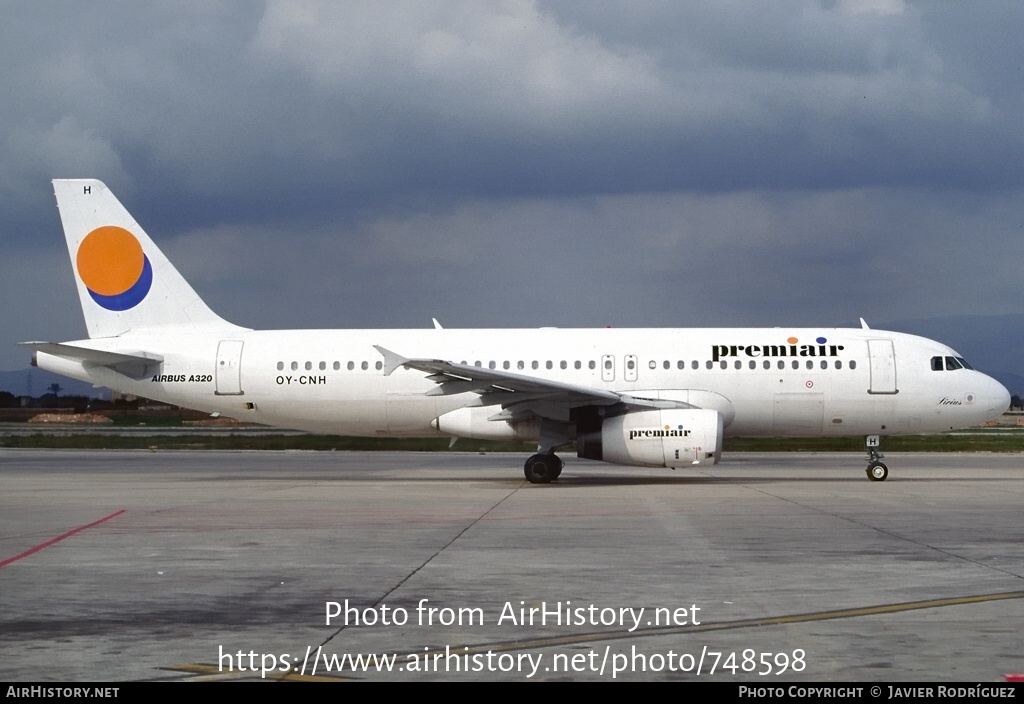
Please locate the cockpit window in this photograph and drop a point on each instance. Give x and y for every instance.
(949, 364)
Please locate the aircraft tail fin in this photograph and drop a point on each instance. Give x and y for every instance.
(124, 281)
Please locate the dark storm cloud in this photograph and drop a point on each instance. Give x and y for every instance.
(512, 163)
(662, 259)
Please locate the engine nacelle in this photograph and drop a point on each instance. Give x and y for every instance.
(474, 423)
(656, 438)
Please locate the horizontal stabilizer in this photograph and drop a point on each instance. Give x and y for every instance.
(135, 365)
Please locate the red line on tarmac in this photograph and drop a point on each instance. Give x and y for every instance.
(59, 538)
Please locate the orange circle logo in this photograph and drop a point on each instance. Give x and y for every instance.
(114, 268)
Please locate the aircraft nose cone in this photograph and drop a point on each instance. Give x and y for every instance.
(1002, 398)
(996, 398)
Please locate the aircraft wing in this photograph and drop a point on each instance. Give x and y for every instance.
(517, 394)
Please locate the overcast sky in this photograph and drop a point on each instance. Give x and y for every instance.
(496, 164)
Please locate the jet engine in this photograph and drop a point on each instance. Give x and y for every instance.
(655, 438)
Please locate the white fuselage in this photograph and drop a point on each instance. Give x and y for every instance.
(764, 381)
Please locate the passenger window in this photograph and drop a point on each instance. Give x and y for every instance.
(839, 364)
(280, 366)
(549, 364)
(309, 365)
(295, 366)
(767, 364)
(824, 364)
(738, 364)
(378, 365)
(694, 364)
(578, 364)
(753, 364)
(724, 364)
(810, 364)
(853, 364)
(592, 364)
(708, 364)
(323, 365)
(653, 364)
(520, 364)
(337, 366)
(607, 364)
(365, 366)
(630, 364)
(796, 364)
(535, 364)
(491, 364)
(563, 364)
(505, 364)
(782, 364)
(351, 366)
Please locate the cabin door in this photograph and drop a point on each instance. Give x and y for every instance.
(883, 367)
(229, 368)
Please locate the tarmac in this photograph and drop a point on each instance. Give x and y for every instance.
(120, 566)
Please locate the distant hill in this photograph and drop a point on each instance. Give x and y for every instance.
(993, 344)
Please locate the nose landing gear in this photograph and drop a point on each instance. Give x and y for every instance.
(876, 471)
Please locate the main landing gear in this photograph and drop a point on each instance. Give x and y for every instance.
(876, 471)
(543, 468)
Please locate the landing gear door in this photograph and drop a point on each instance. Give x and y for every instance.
(229, 368)
(883, 367)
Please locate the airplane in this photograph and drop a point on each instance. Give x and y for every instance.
(637, 397)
